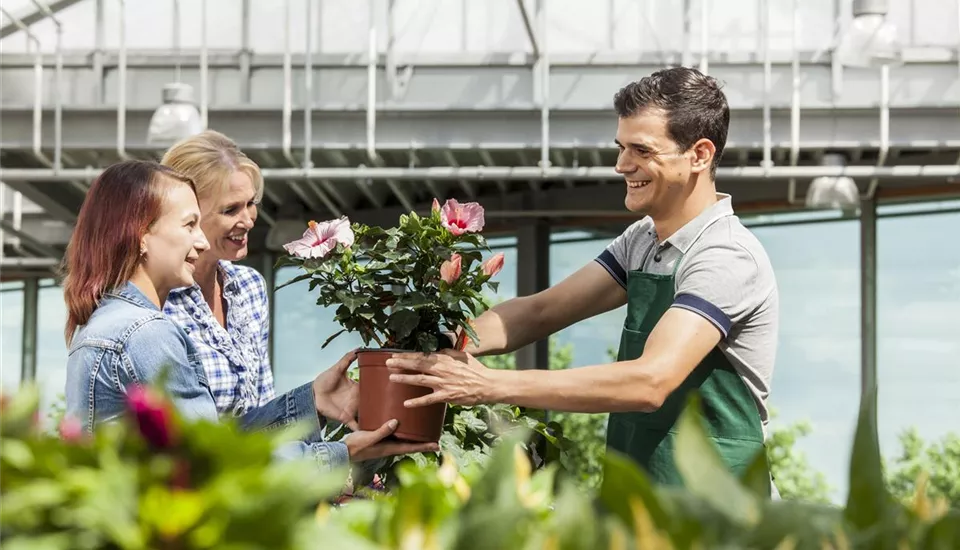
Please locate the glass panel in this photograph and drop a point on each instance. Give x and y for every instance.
(818, 360)
(300, 329)
(918, 370)
(591, 339)
(51, 348)
(11, 334)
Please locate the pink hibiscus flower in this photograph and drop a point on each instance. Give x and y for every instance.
(321, 238)
(461, 218)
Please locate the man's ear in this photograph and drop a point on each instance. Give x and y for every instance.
(703, 152)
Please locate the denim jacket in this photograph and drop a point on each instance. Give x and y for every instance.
(128, 340)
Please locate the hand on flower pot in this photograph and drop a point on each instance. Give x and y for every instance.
(336, 396)
(370, 445)
(455, 377)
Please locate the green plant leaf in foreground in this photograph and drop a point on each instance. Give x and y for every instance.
(704, 473)
(870, 506)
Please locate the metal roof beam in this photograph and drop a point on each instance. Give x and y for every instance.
(36, 16)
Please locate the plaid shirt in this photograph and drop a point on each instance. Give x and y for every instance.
(236, 359)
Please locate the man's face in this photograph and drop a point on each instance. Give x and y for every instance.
(655, 170)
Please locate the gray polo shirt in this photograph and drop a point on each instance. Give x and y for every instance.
(724, 275)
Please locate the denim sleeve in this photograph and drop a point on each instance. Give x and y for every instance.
(157, 348)
(297, 407)
(327, 456)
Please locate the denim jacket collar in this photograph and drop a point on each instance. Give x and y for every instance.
(131, 293)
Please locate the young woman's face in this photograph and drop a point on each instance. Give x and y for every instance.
(174, 242)
(228, 218)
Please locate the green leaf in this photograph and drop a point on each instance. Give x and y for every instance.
(352, 301)
(472, 423)
(704, 472)
(622, 481)
(427, 342)
(868, 496)
(757, 476)
(403, 322)
(470, 332)
(944, 534)
(414, 300)
(171, 513)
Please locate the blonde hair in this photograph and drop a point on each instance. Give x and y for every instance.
(209, 159)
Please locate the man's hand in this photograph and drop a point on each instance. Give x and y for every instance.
(335, 395)
(454, 376)
(369, 445)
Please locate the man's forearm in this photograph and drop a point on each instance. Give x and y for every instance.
(615, 387)
(508, 327)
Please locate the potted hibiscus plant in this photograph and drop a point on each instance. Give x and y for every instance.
(401, 289)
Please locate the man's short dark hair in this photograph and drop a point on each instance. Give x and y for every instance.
(694, 105)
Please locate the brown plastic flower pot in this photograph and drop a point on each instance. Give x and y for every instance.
(382, 400)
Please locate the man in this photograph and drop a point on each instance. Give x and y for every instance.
(702, 302)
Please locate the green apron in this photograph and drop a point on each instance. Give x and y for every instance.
(731, 416)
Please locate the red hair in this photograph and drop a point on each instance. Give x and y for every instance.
(104, 249)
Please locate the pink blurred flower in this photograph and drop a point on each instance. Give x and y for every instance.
(462, 218)
(450, 269)
(153, 416)
(321, 238)
(71, 429)
(493, 266)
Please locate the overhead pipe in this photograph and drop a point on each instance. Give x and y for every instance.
(17, 228)
(58, 92)
(704, 36)
(372, 84)
(8, 263)
(795, 105)
(204, 65)
(122, 86)
(287, 137)
(37, 90)
(287, 113)
(490, 174)
(529, 27)
(767, 163)
(99, 50)
(544, 62)
(308, 92)
(3, 214)
(884, 126)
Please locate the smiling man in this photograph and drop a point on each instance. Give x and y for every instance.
(701, 297)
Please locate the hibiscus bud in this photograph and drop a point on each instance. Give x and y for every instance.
(70, 429)
(493, 266)
(450, 269)
(153, 416)
(436, 205)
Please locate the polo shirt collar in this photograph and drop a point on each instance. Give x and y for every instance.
(684, 238)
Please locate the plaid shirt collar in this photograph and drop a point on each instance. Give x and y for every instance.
(235, 358)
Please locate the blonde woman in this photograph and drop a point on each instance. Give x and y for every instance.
(225, 312)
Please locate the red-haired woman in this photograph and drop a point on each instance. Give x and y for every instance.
(138, 237)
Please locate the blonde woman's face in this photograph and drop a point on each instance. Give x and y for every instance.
(227, 219)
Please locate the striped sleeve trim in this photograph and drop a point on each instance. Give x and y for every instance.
(709, 311)
(613, 267)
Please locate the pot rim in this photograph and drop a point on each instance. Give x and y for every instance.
(385, 350)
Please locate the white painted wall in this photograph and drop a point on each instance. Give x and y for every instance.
(450, 26)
